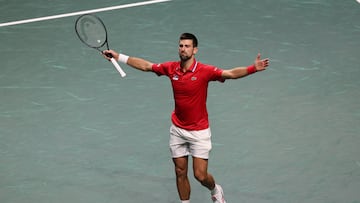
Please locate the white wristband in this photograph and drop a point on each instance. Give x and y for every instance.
(123, 58)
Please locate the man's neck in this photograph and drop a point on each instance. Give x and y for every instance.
(186, 65)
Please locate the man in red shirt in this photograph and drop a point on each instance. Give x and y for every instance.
(190, 132)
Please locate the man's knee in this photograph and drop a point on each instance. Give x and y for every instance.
(181, 166)
(180, 172)
(200, 176)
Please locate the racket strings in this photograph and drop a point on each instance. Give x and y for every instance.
(91, 31)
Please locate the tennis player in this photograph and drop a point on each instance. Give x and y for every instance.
(190, 133)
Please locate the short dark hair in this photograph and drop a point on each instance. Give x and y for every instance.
(187, 35)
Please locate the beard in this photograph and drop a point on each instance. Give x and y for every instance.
(184, 57)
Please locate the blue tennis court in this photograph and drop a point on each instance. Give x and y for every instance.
(73, 130)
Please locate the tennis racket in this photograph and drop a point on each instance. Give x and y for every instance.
(92, 32)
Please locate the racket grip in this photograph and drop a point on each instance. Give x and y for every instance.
(118, 68)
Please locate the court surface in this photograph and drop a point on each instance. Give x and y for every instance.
(73, 130)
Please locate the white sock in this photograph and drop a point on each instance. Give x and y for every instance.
(213, 191)
(185, 201)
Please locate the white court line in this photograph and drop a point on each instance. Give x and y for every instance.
(81, 12)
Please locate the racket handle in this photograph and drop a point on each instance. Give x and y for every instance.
(118, 68)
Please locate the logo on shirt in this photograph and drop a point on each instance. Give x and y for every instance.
(193, 78)
(175, 77)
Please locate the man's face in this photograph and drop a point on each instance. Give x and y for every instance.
(186, 49)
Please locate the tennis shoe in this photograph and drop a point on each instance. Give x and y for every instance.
(218, 197)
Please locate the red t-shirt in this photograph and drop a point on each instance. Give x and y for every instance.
(190, 92)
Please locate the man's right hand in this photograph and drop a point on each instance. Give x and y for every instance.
(108, 54)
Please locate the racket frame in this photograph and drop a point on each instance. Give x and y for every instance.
(113, 61)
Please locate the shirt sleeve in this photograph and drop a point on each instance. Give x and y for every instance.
(161, 68)
(216, 74)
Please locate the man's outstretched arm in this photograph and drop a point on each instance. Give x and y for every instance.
(138, 63)
(239, 72)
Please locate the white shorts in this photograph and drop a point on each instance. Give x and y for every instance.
(196, 143)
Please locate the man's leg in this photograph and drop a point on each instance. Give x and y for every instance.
(200, 167)
(182, 181)
(206, 179)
